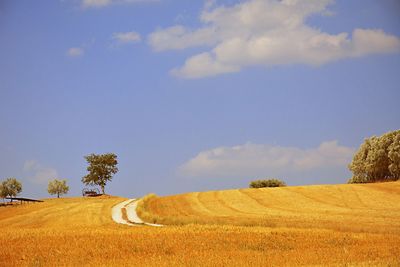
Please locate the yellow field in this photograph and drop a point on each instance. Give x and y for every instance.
(353, 207)
(353, 225)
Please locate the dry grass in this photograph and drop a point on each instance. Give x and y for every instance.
(195, 246)
(60, 213)
(80, 232)
(356, 207)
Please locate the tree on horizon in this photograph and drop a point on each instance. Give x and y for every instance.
(101, 169)
(377, 159)
(10, 188)
(57, 187)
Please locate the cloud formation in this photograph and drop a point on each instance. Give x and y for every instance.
(260, 160)
(126, 37)
(104, 3)
(39, 174)
(75, 52)
(265, 32)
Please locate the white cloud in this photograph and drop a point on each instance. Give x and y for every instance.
(203, 65)
(179, 37)
(126, 37)
(265, 32)
(103, 3)
(75, 51)
(39, 174)
(260, 160)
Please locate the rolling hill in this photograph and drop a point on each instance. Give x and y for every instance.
(329, 225)
(357, 207)
(60, 213)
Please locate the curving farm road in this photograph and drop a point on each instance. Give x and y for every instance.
(129, 206)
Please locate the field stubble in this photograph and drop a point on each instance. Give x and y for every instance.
(80, 232)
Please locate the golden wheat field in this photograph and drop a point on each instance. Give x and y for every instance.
(335, 225)
(354, 207)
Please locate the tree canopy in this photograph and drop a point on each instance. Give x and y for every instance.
(101, 169)
(10, 188)
(57, 187)
(3, 192)
(377, 159)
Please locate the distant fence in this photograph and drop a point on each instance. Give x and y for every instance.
(23, 199)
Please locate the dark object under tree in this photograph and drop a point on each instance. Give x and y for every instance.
(90, 192)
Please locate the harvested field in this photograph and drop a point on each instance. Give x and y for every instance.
(350, 207)
(80, 231)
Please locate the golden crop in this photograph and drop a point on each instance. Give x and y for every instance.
(303, 226)
(350, 207)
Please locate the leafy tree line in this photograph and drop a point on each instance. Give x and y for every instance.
(377, 159)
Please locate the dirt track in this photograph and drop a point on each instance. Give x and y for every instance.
(132, 219)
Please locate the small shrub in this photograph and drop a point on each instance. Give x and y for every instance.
(267, 183)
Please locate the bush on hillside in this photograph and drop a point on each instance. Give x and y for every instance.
(267, 183)
(377, 159)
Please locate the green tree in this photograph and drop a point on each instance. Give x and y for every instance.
(101, 169)
(358, 164)
(377, 159)
(394, 156)
(57, 187)
(3, 192)
(10, 188)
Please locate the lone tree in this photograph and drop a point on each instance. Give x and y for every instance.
(101, 169)
(10, 188)
(57, 187)
(377, 159)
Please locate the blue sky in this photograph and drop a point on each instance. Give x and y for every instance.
(194, 95)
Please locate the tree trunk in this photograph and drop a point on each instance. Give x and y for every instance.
(58, 195)
(102, 189)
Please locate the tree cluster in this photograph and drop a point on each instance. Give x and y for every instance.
(10, 188)
(377, 159)
(267, 183)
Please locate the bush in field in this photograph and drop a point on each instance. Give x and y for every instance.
(377, 159)
(57, 187)
(267, 183)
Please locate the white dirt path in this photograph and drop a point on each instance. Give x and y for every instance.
(132, 215)
(130, 206)
(116, 213)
